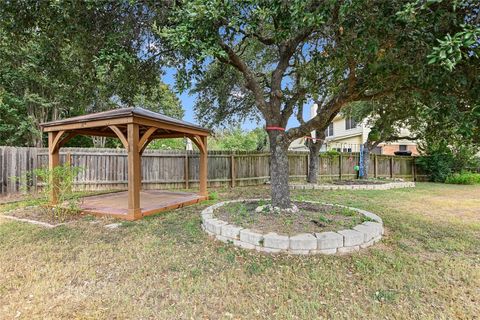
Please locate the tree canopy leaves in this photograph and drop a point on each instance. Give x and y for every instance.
(64, 58)
(272, 57)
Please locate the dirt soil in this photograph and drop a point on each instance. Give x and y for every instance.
(311, 218)
(44, 214)
(358, 182)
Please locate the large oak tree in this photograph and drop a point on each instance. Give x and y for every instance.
(268, 58)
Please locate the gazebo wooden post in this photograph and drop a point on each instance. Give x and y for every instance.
(53, 162)
(134, 172)
(203, 166)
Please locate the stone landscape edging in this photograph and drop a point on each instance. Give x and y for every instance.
(31, 221)
(329, 242)
(382, 186)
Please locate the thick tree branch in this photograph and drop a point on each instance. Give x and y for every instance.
(251, 81)
(286, 51)
(333, 106)
(323, 117)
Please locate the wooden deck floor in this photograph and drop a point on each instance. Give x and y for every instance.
(151, 202)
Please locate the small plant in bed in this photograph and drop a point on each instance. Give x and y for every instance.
(311, 217)
(68, 207)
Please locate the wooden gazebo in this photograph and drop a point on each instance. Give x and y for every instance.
(136, 128)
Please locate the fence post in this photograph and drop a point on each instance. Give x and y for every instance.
(187, 185)
(340, 167)
(232, 169)
(391, 167)
(375, 164)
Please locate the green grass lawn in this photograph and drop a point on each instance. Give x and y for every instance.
(427, 266)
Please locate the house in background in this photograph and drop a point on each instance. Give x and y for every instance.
(345, 135)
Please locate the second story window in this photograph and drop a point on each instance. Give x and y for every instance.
(329, 130)
(350, 123)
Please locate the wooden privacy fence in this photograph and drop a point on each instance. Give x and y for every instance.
(107, 168)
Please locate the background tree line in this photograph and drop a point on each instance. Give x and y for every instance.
(65, 58)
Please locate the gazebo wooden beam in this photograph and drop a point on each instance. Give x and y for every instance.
(96, 133)
(171, 127)
(146, 137)
(68, 137)
(120, 136)
(89, 124)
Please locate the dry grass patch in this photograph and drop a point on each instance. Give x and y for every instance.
(165, 267)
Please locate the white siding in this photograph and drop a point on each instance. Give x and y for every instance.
(339, 130)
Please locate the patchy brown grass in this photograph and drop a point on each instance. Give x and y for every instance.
(165, 267)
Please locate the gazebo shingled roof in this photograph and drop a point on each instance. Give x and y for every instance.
(136, 128)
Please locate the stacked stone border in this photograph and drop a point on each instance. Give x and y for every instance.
(339, 242)
(383, 186)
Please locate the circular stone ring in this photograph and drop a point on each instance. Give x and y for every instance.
(338, 242)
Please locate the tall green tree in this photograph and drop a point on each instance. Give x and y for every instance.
(236, 139)
(65, 58)
(267, 58)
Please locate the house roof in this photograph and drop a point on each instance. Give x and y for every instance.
(132, 112)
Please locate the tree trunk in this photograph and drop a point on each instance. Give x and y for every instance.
(279, 169)
(366, 160)
(99, 142)
(314, 161)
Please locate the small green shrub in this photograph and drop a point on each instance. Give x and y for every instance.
(463, 178)
(68, 202)
(347, 212)
(324, 219)
(213, 195)
(330, 153)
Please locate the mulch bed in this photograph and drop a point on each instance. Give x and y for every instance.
(42, 214)
(311, 218)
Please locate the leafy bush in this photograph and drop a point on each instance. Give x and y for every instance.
(464, 178)
(68, 201)
(441, 161)
(330, 153)
(437, 165)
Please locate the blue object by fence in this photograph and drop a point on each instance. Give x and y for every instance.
(361, 171)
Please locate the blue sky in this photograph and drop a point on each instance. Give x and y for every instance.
(188, 102)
